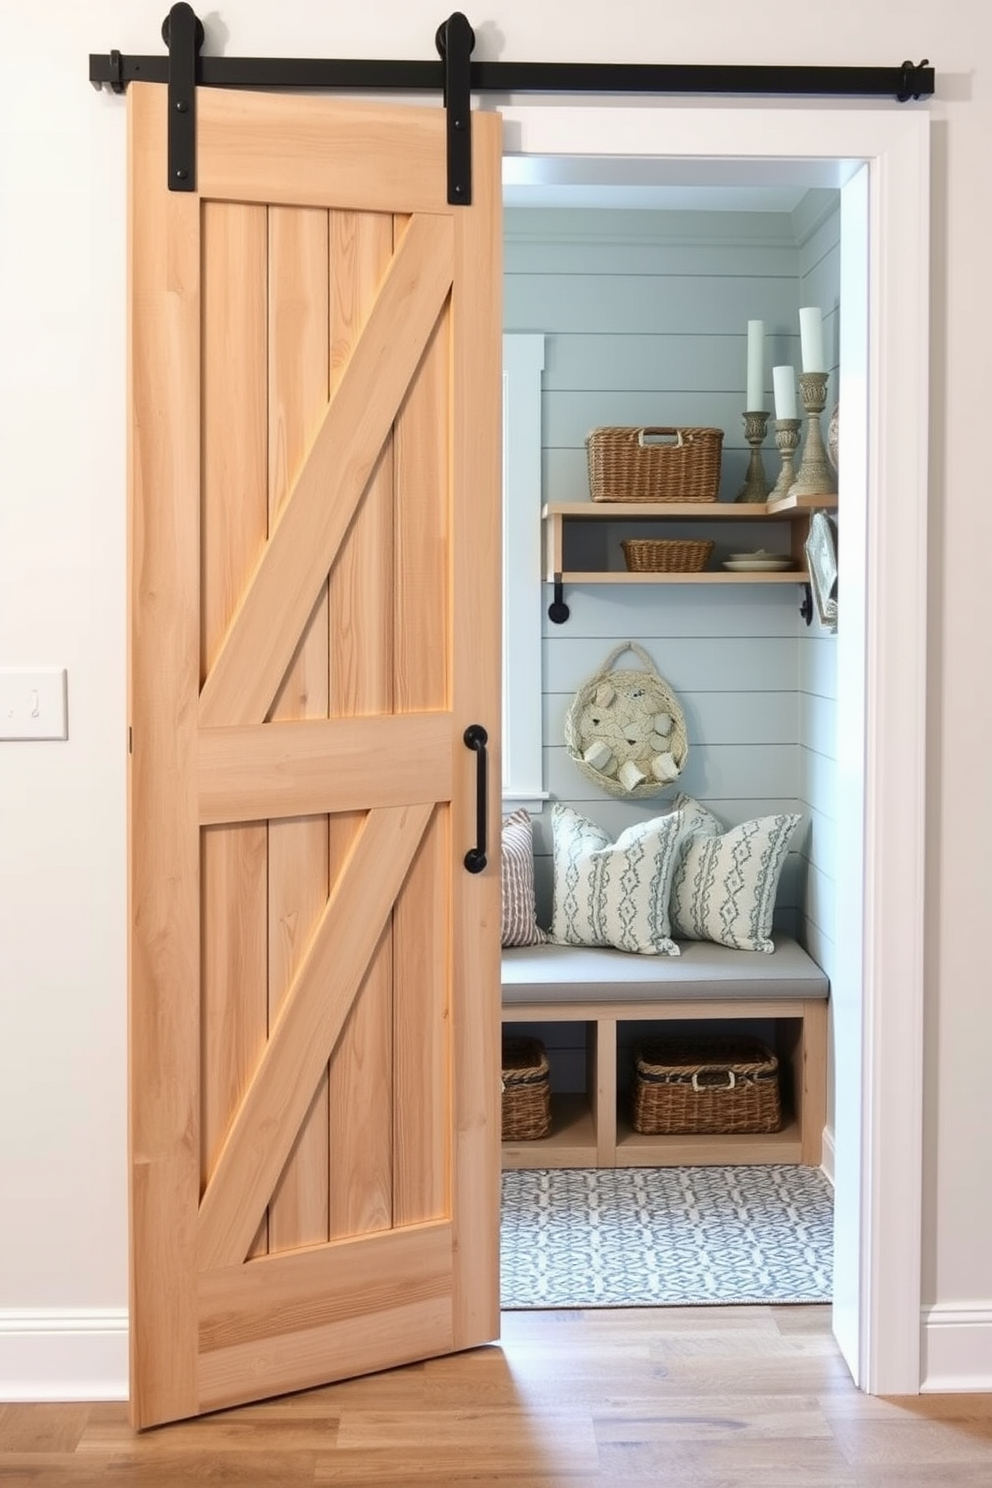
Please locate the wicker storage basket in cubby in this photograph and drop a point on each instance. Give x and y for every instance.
(705, 1084)
(526, 1090)
(654, 464)
(666, 554)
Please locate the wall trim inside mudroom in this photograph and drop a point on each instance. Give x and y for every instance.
(880, 162)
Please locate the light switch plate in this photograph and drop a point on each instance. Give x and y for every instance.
(33, 703)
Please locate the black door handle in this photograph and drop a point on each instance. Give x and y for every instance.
(476, 738)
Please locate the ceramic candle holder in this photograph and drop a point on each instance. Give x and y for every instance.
(816, 476)
(755, 487)
(786, 442)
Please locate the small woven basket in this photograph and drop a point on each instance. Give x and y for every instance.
(666, 554)
(705, 1085)
(526, 1090)
(654, 464)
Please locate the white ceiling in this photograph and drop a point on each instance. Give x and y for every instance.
(653, 183)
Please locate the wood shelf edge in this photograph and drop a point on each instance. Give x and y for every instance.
(787, 507)
(708, 576)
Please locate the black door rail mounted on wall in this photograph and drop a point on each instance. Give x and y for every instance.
(457, 77)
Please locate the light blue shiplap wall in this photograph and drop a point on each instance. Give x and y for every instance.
(820, 281)
(820, 284)
(645, 317)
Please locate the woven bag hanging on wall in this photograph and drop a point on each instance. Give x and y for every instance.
(625, 729)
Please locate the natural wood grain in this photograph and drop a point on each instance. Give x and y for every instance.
(362, 687)
(323, 1312)
(313, 149)
(736, 1397)
(422, 1117)
(423, 558)
(810, 1082)
(278, 769)
(298, 361)
(315, 517)
(592, 1131)
(312, 1014)
(233, 526)
(163, 852)
(476, 649)
(794, 510)
(314, 572)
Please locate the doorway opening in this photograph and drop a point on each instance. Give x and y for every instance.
(647, 288)
(725, 142)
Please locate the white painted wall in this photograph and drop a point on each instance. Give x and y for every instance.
(63, 918)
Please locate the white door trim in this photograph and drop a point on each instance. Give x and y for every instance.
(881, 160)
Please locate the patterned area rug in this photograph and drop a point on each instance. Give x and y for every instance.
(666, 1237)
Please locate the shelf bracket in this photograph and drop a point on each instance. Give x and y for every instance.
(806, 608)
(558, 611)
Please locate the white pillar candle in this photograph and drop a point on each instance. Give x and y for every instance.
(811, 339)
(755, 365)
(784, 383)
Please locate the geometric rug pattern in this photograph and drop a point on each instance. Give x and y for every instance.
(665, 1237)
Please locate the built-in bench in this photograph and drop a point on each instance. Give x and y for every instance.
(605, 989)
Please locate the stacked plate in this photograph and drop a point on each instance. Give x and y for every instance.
(758, 561)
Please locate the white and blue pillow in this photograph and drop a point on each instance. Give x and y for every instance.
(610, 893)
(726, 880)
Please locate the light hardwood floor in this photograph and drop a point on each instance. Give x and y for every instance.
(721, 1397)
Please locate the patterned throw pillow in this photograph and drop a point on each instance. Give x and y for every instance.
(614, 893)
(726, 881)
(520, 927)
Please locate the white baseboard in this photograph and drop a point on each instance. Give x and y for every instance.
(77, 1354)
(828, 1161)
(957, 1350)
(83, 1354)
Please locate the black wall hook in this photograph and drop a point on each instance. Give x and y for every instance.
(806, 608)
(558, 611)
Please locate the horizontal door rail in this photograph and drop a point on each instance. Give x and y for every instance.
(456, 78)
(907, 81)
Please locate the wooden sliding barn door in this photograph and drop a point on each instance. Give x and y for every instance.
(314, 622)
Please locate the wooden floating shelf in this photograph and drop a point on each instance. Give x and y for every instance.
(790, 508)
(708, 576)
(795, 510)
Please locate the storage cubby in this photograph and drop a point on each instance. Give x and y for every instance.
(592, 1128)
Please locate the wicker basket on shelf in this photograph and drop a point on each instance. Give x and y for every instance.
(705, 1084)
(654, 464)
(526, 1090)
(666, 554)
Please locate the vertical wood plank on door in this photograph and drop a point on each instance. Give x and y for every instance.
(361, 683)
(422, 1065)
(234, 508)
(422, 1113)
(423, 535)
(476, 370)
(163, 974)
(298, 847)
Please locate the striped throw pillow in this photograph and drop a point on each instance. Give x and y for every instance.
(520, 927)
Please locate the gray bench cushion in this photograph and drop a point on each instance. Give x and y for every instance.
(557, 973)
